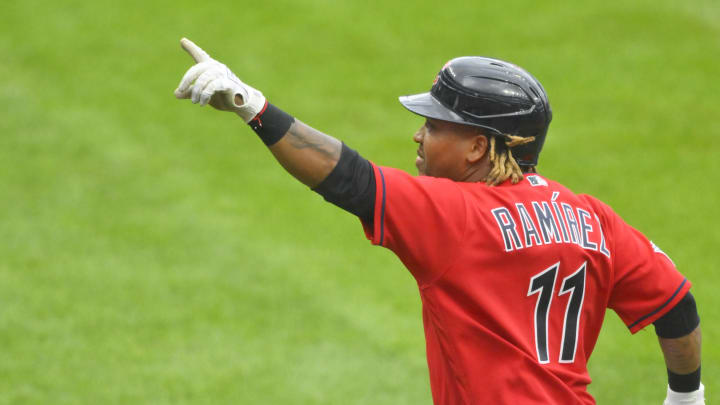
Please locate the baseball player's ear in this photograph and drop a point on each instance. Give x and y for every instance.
(478, 149)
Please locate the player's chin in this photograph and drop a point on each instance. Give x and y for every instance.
(420, 164)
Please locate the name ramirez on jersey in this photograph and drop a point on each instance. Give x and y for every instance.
(544, 222)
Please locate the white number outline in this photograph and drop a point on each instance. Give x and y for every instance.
(540, 289)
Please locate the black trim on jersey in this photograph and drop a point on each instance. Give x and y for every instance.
(351, 185)
(658, 309)
(679, 321)
(382, 209)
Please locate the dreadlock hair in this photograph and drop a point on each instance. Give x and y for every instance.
(502, 162)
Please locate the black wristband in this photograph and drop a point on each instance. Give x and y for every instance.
(684, 382)
(271, 124)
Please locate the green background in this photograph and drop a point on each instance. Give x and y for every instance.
(153, 252)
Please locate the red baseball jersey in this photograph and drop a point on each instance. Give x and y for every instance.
(515, 280)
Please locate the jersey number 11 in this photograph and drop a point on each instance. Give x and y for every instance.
(543, 284)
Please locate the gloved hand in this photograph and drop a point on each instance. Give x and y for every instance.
(685, 398)
(209, 81)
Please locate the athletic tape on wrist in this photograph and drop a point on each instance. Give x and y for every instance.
(684, 382)
(271, 124)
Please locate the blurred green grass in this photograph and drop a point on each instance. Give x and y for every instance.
(153, 252)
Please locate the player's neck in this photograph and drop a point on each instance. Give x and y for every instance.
(476, 173)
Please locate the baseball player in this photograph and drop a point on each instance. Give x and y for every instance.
(515, 271)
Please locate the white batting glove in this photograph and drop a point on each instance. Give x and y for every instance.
(209, 81)
(685, 398)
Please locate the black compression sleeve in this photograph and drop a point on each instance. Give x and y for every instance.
(351, 185)
(679, 321)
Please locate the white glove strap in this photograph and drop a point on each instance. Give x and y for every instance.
(253, 102)
(253, 99)
(686, 398)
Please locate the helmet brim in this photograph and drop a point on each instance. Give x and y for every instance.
(425, 105)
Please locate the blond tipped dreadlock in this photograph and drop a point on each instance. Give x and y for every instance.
(503, 164)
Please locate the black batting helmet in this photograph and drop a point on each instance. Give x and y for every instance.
(491, 94)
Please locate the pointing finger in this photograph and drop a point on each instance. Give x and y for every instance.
(195, 51)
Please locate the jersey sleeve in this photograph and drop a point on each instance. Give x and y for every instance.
(646, 284)
(421, 219)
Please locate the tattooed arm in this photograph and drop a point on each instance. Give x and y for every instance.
(329, 167)
(307, 154)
